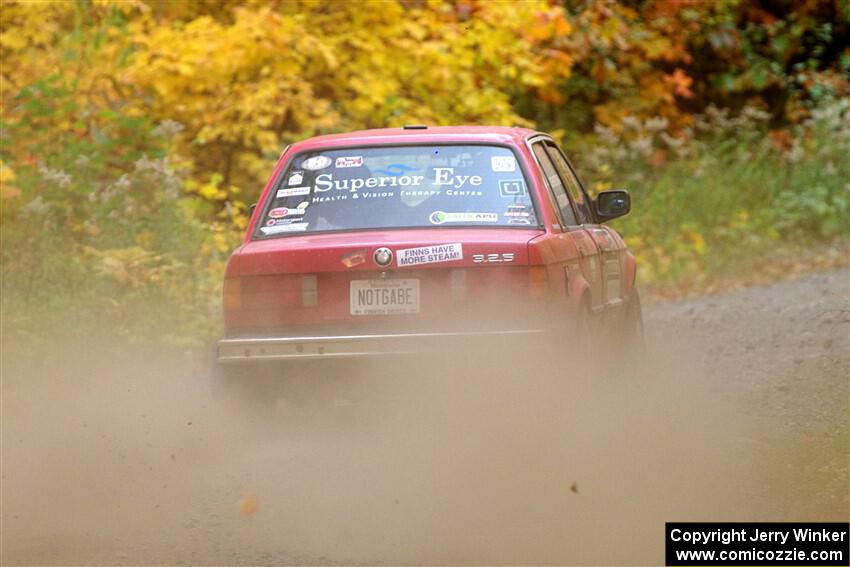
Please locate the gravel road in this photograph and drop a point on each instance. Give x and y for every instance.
(738, 412)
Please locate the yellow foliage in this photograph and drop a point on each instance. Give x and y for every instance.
(246, 78)
(7, 175)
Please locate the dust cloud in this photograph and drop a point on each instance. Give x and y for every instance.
(122, 456)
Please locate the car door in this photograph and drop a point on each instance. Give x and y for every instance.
(573, 236)
(611, 247)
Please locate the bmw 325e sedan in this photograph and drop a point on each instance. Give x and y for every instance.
(392, 241)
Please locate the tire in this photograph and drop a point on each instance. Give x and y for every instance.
(633, 334)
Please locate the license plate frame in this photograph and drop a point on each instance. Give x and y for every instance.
(397, 296)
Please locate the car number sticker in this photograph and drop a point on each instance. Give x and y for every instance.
(429, 254)
(384, 297)
(503, 163)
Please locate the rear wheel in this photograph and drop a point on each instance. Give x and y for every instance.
(581, 338)
(633, 336)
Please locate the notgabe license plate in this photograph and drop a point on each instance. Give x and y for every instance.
(384, 297)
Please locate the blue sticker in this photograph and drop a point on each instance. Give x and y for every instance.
(511, 187)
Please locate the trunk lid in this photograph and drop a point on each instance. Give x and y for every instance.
(330, 283)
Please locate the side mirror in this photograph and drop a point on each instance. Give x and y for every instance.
(251, 209)
(612, 204)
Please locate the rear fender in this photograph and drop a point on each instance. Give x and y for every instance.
(577, 288)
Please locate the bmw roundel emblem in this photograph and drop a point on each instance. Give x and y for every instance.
(383, 256)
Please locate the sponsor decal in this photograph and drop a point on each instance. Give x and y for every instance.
(303, 205)
(511, 187)
(292, 227)
(517, 211)
(354, 258)
(280, 212)
(503, 163)
(349, 161)
(295, 178)
(292, 192)
(515, 220)
(430, 254)
(316, 162)
(278, 222)
(440, 217)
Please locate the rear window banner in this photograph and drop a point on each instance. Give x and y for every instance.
(429, 254)
(401, 187)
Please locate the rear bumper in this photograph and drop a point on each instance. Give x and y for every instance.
(241, 350)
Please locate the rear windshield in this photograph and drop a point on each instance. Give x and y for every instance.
(397, 187)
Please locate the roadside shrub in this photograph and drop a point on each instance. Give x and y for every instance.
(714, 197)
(98, 230)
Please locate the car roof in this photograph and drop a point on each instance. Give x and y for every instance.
(420, 135)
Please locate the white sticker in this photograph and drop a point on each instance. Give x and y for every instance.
(293, 192)
(316, 162)
(303, 205)
(280, 212)
(430, 254)
(439, 217)
(517, 211)
(503, 163)
(294, 227)
(350, 161)
(295, 178)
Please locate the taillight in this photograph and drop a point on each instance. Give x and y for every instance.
(232, 293)
(538, 281)
(309, 291)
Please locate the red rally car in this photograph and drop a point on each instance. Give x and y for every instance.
(402, 240)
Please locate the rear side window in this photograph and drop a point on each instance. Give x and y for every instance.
(555, 184)
(398, 187)
(572, 184)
